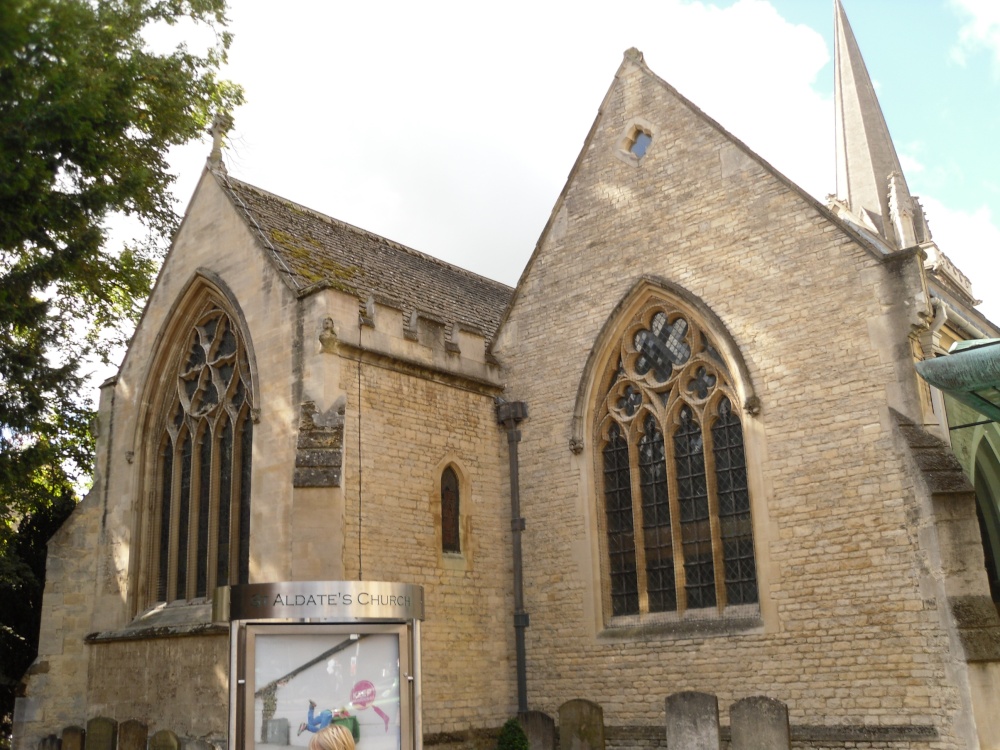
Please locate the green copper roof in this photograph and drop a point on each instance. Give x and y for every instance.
(970, 374)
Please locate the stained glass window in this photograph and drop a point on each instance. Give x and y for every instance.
(669, 435)
(204, 475)
(621, 537)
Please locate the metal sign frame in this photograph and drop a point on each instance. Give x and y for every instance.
(329, 617)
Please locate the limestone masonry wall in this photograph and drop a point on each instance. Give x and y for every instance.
(846, 634)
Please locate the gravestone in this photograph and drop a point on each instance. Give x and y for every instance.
(164, 740)
(277, 732)
(102, 734)
(581, 726)
(759, 723)
(540, 729)
(72, 738)
(132, 735)
(693, 721)
(50, 742)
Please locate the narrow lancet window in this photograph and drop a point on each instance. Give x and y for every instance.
(621, 535)
(450, 527)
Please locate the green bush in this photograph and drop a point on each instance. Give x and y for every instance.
(512, 736)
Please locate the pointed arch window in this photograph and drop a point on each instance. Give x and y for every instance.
(678, 534)
(451, 540)
(201, 537)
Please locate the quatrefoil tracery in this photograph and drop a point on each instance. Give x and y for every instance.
(665, 356)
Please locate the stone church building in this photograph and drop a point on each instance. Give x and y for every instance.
(731, 476)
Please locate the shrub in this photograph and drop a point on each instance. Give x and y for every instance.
(512, 736)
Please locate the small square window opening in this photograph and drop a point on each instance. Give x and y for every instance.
(640, 143)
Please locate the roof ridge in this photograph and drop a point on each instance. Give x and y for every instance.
(366, 233)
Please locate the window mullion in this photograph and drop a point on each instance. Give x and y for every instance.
(175, 517)
(638, 533)
(673, 498)
(713, 512)
(213, 514)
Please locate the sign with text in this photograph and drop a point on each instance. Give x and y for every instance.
(329, 601)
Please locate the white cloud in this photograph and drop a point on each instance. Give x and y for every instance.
(981, 29)
(910, 164)
(453, 127)
(972, 241)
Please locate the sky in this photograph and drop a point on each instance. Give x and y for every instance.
(451, 126)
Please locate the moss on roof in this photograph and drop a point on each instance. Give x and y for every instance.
(314, 251)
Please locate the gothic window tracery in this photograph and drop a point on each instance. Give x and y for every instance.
(676, 503)
(202, 491)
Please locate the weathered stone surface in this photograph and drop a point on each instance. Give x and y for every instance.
(693, 721)
(317, 477)
(164, 739)
(581, 726)
(73, 738)
(102, 734)
(328, 439)
(317, 457)
(199, 708)
(759, 723)
(540, 729)
(132, 735)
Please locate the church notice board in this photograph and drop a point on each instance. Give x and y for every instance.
(309, 654)
(301, 678)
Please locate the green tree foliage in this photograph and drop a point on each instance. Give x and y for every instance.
(23, 579)
(88, 113)
(512, 736)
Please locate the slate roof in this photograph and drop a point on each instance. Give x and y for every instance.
(313, 252)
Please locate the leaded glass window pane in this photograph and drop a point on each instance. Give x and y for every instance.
(183, 523)
(166, 479)
(204, 490)
(225, 502)
(735, 525)
(696, 528)
(246, 449)
(620, 528)
(656, 531)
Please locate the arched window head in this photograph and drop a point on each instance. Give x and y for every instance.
(987, 485)
(202, 490)
(450, 519)
(672, 473)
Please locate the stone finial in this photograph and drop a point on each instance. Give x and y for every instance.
(222, 123)
(634, 55)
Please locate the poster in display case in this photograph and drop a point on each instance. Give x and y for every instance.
(300, 678)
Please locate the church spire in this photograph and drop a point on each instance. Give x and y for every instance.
(866, 158)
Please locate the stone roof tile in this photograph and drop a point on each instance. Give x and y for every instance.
(313, 251)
